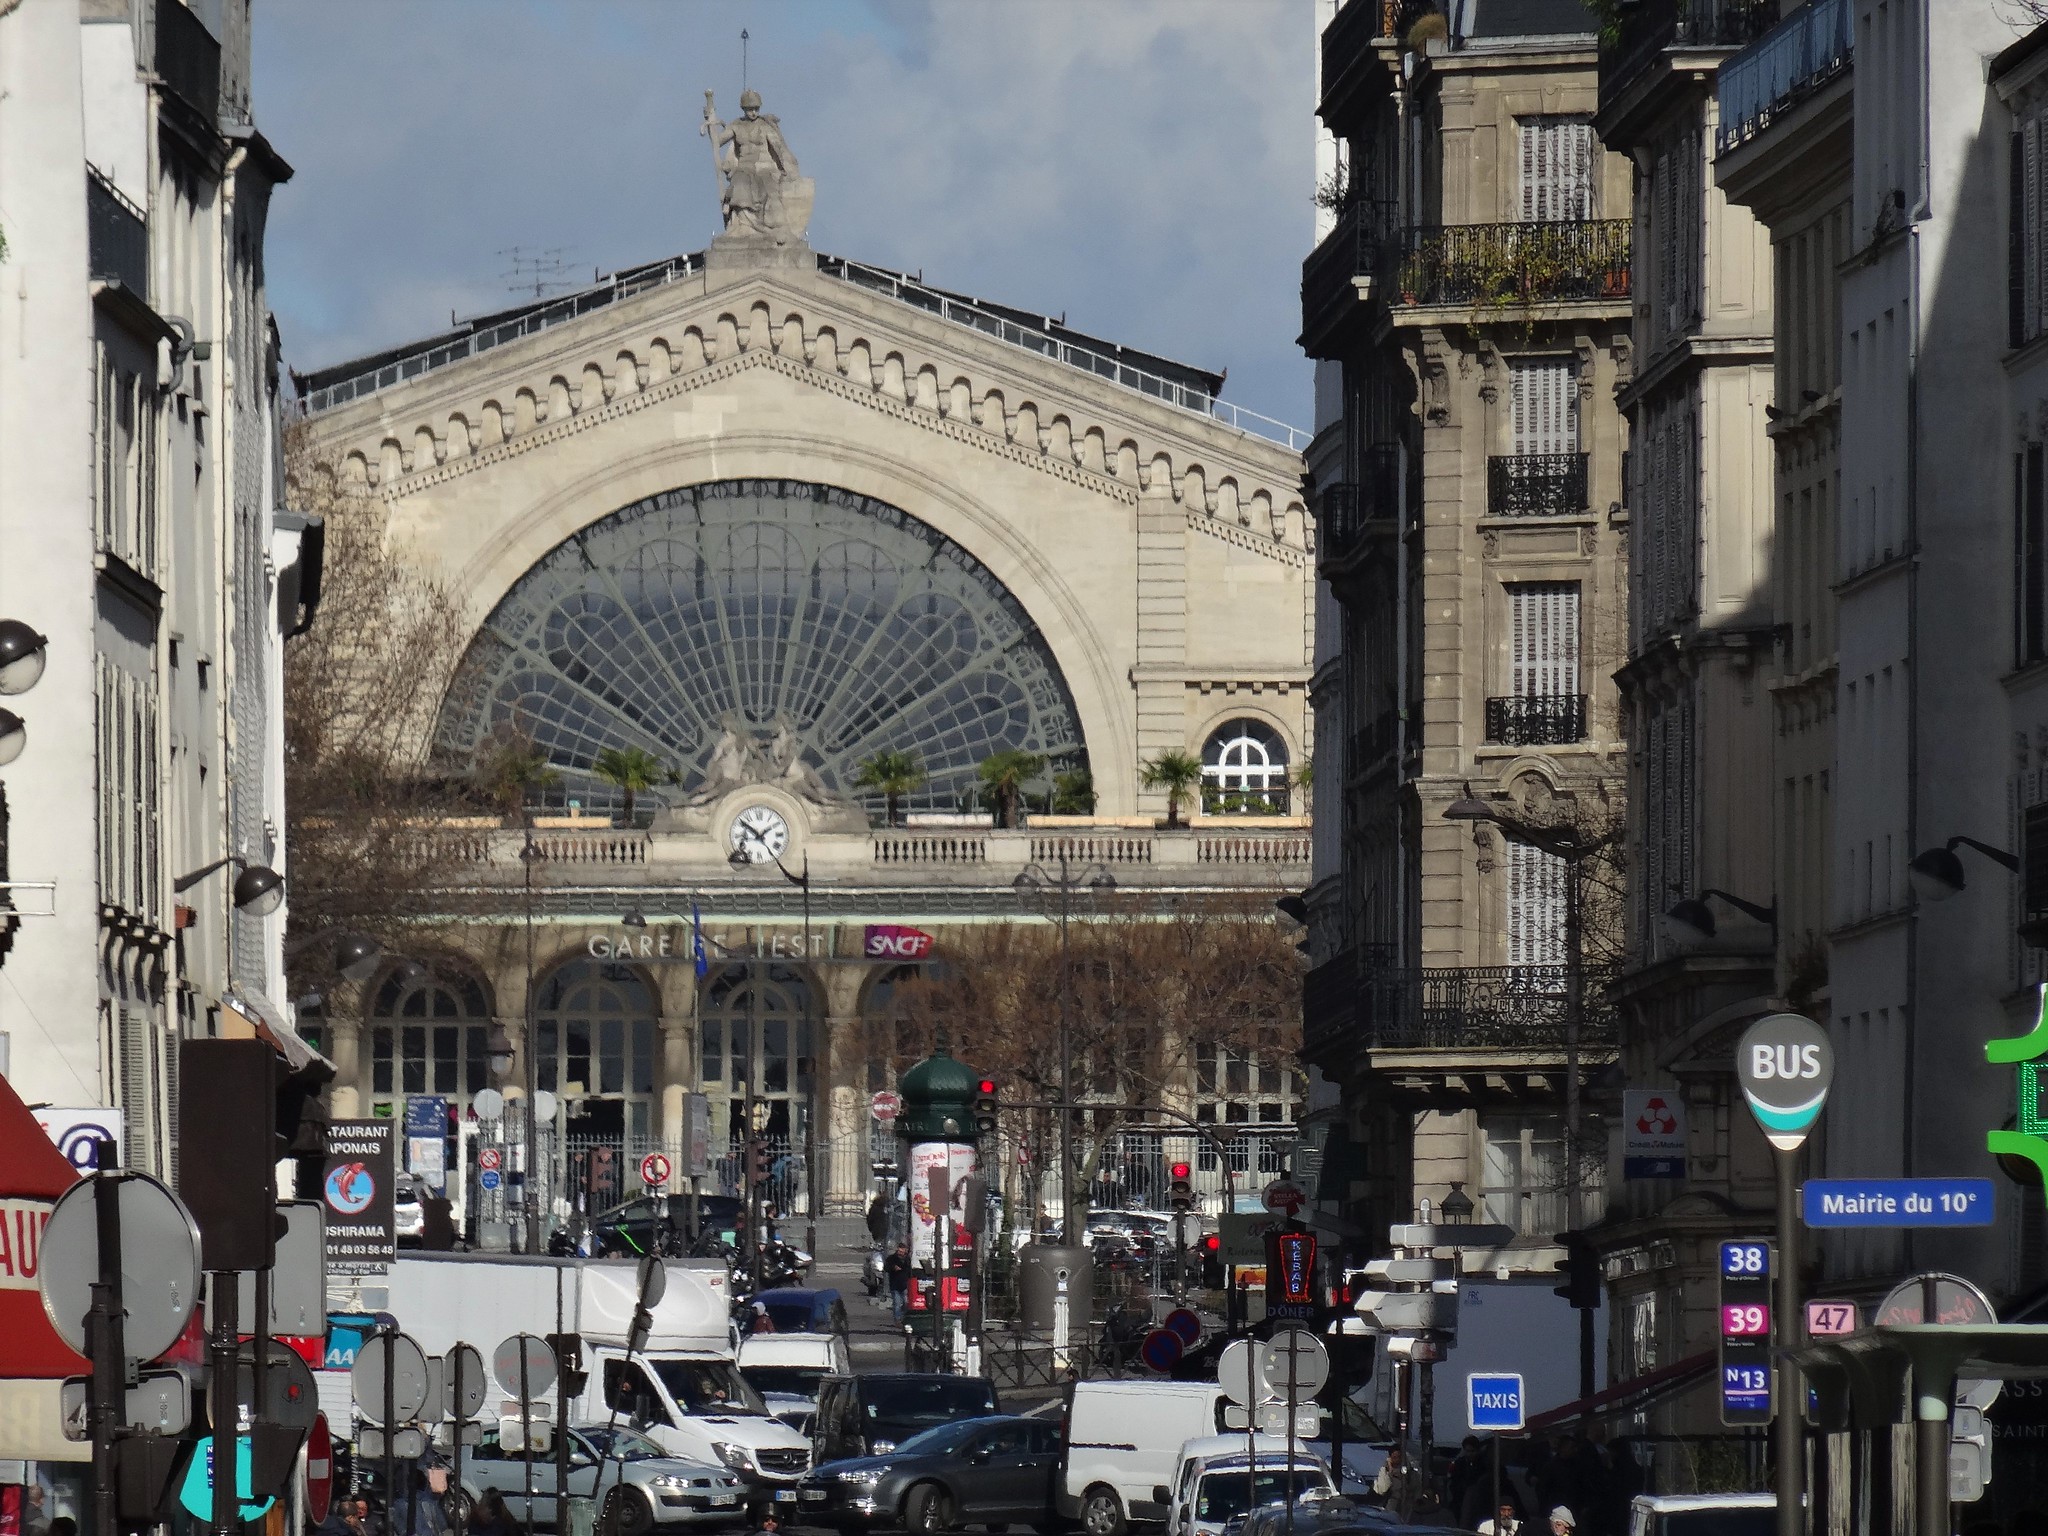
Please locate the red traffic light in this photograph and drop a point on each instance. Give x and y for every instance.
(986, 1088)
(1179, 1171)
(1212, 1242)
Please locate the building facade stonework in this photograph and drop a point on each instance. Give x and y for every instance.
(763, 514)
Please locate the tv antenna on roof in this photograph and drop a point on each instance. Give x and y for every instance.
(539, 272)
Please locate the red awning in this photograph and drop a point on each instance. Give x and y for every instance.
(1626, 1396)
(33, 1173)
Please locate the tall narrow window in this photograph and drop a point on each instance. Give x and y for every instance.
(1536, 906)
(2032, 602)
(1557, 168)
(1546, 408)
(1544, 662)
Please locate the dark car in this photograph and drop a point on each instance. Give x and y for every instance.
(793, 1309)
(983, 1471)
(628, 1230)
(873, 1415)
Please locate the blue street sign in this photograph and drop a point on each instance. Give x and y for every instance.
(1494, 1401)
(426, 1115)
(488, 1178)
(1746, 1389)
(1898, 1203)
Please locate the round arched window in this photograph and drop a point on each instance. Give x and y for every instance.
(1244, 770)
(428, 1036)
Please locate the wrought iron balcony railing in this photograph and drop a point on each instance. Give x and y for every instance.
(1648, 27)
(117, 236)
(1535, 484)
(1485, 1008)
(1513, 264)
(1349, 511)
(1352, 249)
(1788, 63)
(1537, 720)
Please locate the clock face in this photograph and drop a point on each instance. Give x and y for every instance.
(760, 833)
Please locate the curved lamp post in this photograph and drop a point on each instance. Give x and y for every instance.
(23, 653)
(258, 890)
(1937, 873)
(1693, 920)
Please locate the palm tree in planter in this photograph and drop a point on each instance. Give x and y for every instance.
(1179, 774)
(630, 770)
(1003, 777)
(511, 766)
(894, 774)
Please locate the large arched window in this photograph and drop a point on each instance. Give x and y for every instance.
(757, 1043)
(1244, 770)
(594, 1024)
(428, 1036)
(709, 621)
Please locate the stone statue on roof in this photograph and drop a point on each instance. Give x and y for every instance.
(760, 193)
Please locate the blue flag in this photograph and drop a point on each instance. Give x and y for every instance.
(697, 941)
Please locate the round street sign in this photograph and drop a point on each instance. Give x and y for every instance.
(1956, 1302)
(1162, 1349)
(159, 1264)
(488, 1105)
(466, 1361)
(1185, 1322)
(540, 1365)
(1284, 1197)
(1236, 1369)
(1301, 1353)
(490, 1159)
(886, 1106)
(1785, 1063)
(319, 1471)
(490, 1178)
(406, 1362)
(654, 1170)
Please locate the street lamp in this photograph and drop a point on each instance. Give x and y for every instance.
(1937, 873)
(530, 855)
(634, 918)
(1457, 1206)
(13, 736)
(22, 655)
(1095, 878)
(355, 954)
(258, 891)
(739, 859)
(498, 1050)
(1692, 920)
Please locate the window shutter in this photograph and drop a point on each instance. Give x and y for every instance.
(1536, 903)
(1557, 166)
(132, 1028)
(1545, 638)
(2019, 237)
(1546, 408)
(2033, 620)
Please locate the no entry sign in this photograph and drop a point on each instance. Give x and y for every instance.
(654, 1170)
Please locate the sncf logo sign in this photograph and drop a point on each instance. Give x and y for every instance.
(893, 941)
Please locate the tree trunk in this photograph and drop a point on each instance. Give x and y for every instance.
(629, 806)
(891, 798)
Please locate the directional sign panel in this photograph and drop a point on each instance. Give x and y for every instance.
(1294, 1366)
(1746, 1331)
(1493, 1400)
(1898, 1203)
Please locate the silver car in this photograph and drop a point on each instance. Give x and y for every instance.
(658, 1489)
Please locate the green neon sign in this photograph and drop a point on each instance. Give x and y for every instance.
(2028, 1052)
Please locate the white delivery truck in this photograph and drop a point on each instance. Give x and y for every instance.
(683, 1390)
(1123, 1446)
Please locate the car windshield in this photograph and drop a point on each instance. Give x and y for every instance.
(943, 1441)
(1717, 1522)
(796, 1380)
(789, 1316)
(1222, 1495)
(708, 1386)
(919, 1402)
(623, 1444)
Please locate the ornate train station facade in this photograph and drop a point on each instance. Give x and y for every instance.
(767, 515)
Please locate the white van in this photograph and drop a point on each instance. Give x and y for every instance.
(1123, 1445)
(1703, 1514)
(785, 1368)
(1218, 1481)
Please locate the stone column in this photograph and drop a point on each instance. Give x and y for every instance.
(676, 1072)
(350, 1089)
(845, 1112)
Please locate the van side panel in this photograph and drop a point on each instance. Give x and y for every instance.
(1128, 1436)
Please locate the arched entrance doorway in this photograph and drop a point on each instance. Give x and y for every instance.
(756, 1063)
(594, 1048)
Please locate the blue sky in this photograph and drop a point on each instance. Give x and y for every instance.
(1142, 167)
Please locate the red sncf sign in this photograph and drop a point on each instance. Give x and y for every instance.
(893, 941)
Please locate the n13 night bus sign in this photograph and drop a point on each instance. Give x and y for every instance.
(1746, 1331)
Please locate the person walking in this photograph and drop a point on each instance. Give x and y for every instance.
(1399, 1485)
(896, 1270)
(490, 1517)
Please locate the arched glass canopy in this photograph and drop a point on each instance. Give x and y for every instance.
(750, 605)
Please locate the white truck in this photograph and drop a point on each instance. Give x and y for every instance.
(683, 1389)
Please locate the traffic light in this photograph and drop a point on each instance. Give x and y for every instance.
(1581, 1268)
(1212, 1262)
(1180, 1194)
(985, 1107)
(757, 1161)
